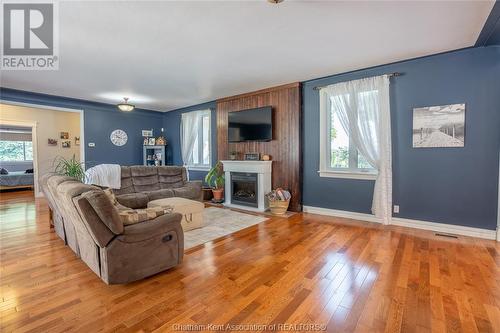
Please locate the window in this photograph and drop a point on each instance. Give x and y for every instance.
(340, 158)
(196, 140)
(16, 151)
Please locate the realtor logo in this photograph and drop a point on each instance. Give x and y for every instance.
(29, 36)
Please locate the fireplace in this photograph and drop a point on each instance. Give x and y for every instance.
(244, 189)
(247, 183)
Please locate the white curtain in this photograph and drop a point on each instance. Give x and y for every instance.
(189, 131)
(363, 108)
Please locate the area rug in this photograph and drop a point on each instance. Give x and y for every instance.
(219, 222)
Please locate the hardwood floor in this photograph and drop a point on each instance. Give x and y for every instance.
(307, 269)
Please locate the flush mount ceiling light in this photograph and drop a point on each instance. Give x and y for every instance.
(125, 105)
(275, 1)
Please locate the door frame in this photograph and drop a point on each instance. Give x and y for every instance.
(34, 124)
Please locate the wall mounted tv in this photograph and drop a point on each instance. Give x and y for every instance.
(251, 125)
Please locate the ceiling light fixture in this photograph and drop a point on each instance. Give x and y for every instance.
(275, 1)
(125, 106)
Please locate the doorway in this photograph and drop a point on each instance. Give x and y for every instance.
(56, 132)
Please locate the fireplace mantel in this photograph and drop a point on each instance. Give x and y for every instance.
(263, 169)
(248, 166)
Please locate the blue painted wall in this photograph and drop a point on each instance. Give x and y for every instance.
(100, 120)
(172, 125)
(490, 34)
(447, 185)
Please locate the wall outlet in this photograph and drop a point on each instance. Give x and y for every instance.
(91, 144)
(396, 209)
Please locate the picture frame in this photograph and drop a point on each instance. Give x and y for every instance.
(66, 144)
(441, 126)
(52, 142)
(252, 157)
(151, 141)
(146, 142)
(147, 133)
(77, 140)
(64, 135)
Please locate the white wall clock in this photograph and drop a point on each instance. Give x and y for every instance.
(118, 137)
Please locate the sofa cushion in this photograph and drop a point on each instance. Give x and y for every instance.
(132, 216)
(144, 178)
(159, 194)
(133, 200)
(171, 177)
(157, 226)
(141, 171)
(126, 182)
(105, 209)
(145, 182)
(187, 192)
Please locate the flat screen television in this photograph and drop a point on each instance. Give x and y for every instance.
(251, 125)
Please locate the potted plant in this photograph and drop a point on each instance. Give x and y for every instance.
(215, 179)
(233, 155)
(69, 167)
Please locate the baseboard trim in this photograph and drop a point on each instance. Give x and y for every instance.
(446, 228)
(341, 213)
(408, 223)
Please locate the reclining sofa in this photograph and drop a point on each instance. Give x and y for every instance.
(86, 219)
(141, 184)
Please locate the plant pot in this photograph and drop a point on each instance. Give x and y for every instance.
(218, 194)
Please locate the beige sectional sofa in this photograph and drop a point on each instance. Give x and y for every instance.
(85, 218)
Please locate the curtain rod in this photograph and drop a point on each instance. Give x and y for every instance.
(390, 75)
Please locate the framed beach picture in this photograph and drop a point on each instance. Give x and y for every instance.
(439, 126)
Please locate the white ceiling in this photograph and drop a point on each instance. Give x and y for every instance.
(166, 55)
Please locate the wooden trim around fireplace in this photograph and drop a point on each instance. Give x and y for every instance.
(284, 149)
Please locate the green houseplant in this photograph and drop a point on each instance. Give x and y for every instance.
(69, 167)
(215, 179)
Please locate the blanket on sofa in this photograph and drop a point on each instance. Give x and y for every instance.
(105, 175)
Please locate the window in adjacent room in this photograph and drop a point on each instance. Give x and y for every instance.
(195, 139)
(339, 155)
(16, 151)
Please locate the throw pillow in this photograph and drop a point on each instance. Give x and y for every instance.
(132, 216)
(3, 171)
(112, 197)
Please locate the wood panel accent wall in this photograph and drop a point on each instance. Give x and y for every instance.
(285, 148)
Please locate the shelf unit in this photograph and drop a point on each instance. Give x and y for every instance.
(154, 155)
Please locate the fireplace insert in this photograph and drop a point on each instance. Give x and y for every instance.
(244, 189)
